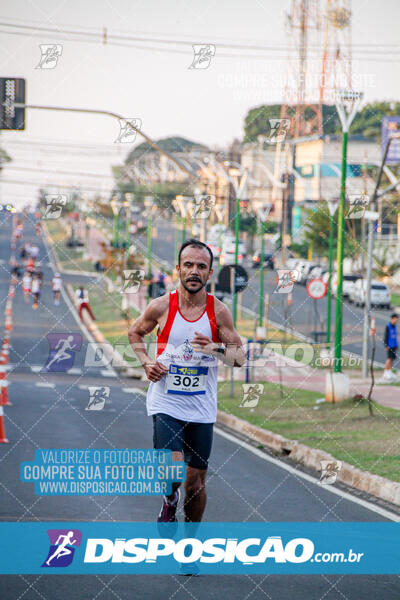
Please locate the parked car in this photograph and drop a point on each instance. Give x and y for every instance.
(315, 273)
(348, 283)
(214, 247)
(228, 255)
(304, 267)
(292, 262)
(269, 260)
(380, 293)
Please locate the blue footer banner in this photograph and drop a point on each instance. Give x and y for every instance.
(205, 548)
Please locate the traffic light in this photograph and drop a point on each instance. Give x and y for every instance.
(12, 91)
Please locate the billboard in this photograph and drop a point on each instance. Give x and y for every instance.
(391, 125)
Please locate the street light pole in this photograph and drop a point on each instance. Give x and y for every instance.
(346, 120)
(116, 207)
(148, 202)
(240, 193)
(127, 206)
(332, 206)
(263, 215)
(220, 212)
(340, 251)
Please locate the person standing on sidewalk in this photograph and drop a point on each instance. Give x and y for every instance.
(83, 299)
(391, 345)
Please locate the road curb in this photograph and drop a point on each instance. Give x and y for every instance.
(377, 486)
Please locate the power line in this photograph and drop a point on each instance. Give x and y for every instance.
(122, 40)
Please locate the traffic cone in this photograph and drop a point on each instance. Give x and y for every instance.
(11, 291)
(4, 356)
(4, 393)
(8, 325)
(3, 439)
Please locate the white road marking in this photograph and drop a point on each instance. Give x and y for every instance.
(74, 371)
(45, 384)
(105, 373)
(36, 368)
(133, 391)
(329, 488)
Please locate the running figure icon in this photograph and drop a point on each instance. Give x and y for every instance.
(63, 347)
(62, 549)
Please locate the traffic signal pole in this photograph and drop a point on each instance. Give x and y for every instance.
(108, 113)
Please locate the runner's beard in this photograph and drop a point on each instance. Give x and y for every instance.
(191, 290)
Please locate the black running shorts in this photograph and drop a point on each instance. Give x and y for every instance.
(194, 440)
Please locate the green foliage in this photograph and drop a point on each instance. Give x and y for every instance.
(367, 122)
(381, 267)
(256, 121)
(316, 232)
(300, 250)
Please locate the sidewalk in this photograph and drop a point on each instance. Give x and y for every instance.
(279, 369)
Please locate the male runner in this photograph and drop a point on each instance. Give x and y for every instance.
(56, 285)
(36, 285)
(182, 395)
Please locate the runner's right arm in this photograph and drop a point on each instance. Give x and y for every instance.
(142, 327)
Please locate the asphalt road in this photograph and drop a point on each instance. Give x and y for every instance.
(305, 315)
(48, 411)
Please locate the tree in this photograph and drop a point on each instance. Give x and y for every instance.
(367, 122)
(316, 231)
(381, 267)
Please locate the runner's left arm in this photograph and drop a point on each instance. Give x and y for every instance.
(233, 354)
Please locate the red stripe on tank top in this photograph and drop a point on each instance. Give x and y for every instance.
(212, 318)
(162, 338)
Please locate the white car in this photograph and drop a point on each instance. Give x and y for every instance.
(304, 267)
(380, 293)
(228, 254)
(214, 247)
(347, 286)
(292, 262)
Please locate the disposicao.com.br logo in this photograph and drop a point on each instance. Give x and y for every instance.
(247, 551)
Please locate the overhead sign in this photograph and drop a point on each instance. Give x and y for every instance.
(316, 289)
(391, 125)
(224, 279)
(12, 91)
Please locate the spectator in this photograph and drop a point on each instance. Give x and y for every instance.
(390, 341)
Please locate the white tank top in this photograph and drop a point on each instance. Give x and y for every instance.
(189, 391)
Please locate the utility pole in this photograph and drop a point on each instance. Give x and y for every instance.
(372, 216)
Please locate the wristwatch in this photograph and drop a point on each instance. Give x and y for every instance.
(220, 350)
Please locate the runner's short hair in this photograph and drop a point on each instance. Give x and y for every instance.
(193, 243)
(394, 315)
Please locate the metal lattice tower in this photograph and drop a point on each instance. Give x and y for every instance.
(319, 61)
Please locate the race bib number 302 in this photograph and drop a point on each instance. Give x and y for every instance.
(186, 380)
